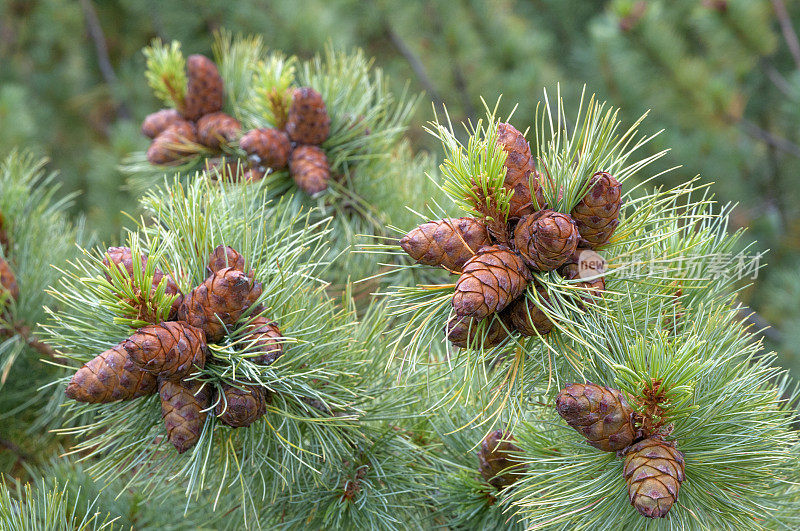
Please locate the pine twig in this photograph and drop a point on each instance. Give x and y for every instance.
(415, 64)
(789, 35)
(32, 341)
(101, 48)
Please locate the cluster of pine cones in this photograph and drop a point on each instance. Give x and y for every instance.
(495, 260)
(295, 145)
(176, 133)
(654, 469)
(164, 356)
(8, 280)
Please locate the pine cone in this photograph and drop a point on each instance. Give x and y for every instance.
(182, 408)
(310, 169)
(123, 258)
(308, 121)
(169, 350)
(462, 332)
(519, 168)
(241, 406)
(204, 88)
(154, 124)
(271, 147)
(254, 174)
(216, 129)
(527, 318)
(173, 145)
(109, 377)
(223, 256)
(589, 289)
(600, 414)
(8, 281)
(448, 242)
(268, 339)
(654, 471)
(490, 280)
(496, 465)
(219, 301)
(546, 239)
(597, 214)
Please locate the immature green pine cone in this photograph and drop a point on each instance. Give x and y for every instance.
(489, 282)
(271, 147)
(597, 214)
(183, 405)
(463, 332)
(495, 462)
(519, 169)
(204, 88)
(654, 471)
(527, 318)
(309, 168)
(600, 414)
(110, 376)
(308, 121)
(546, 239)
(447, 242)
(241, 406)
(155, 123)
(170, 350)
(219, 302)
(217, 129)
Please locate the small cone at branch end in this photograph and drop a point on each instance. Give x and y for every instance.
(182, 408)
(109, 377)
(600, 414)
(496, 464)
(448, 242)
(654, 471)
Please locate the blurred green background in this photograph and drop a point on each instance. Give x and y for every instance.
(721, 77)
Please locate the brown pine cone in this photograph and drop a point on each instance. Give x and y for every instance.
(527, 318)
(204, 88)
(182, 407)
(495, 462)
(154, 124)
(253, 174)
(241, 406)
(223, 256)
(597, 214)
(173, 145)
(448, 242)
(600, 414)
(519, 170)
(4, 241)
(223, 167)
(219, 302)
(170, 350)
(490, 280)
(271, 147)
(654, 471)
(216, 129)
(589, 289)
(8, 281)
(268, 339)
(123, 258)
(109, 377)
(308, 121)
(462, 332)
(310, 169)
(546, 239)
